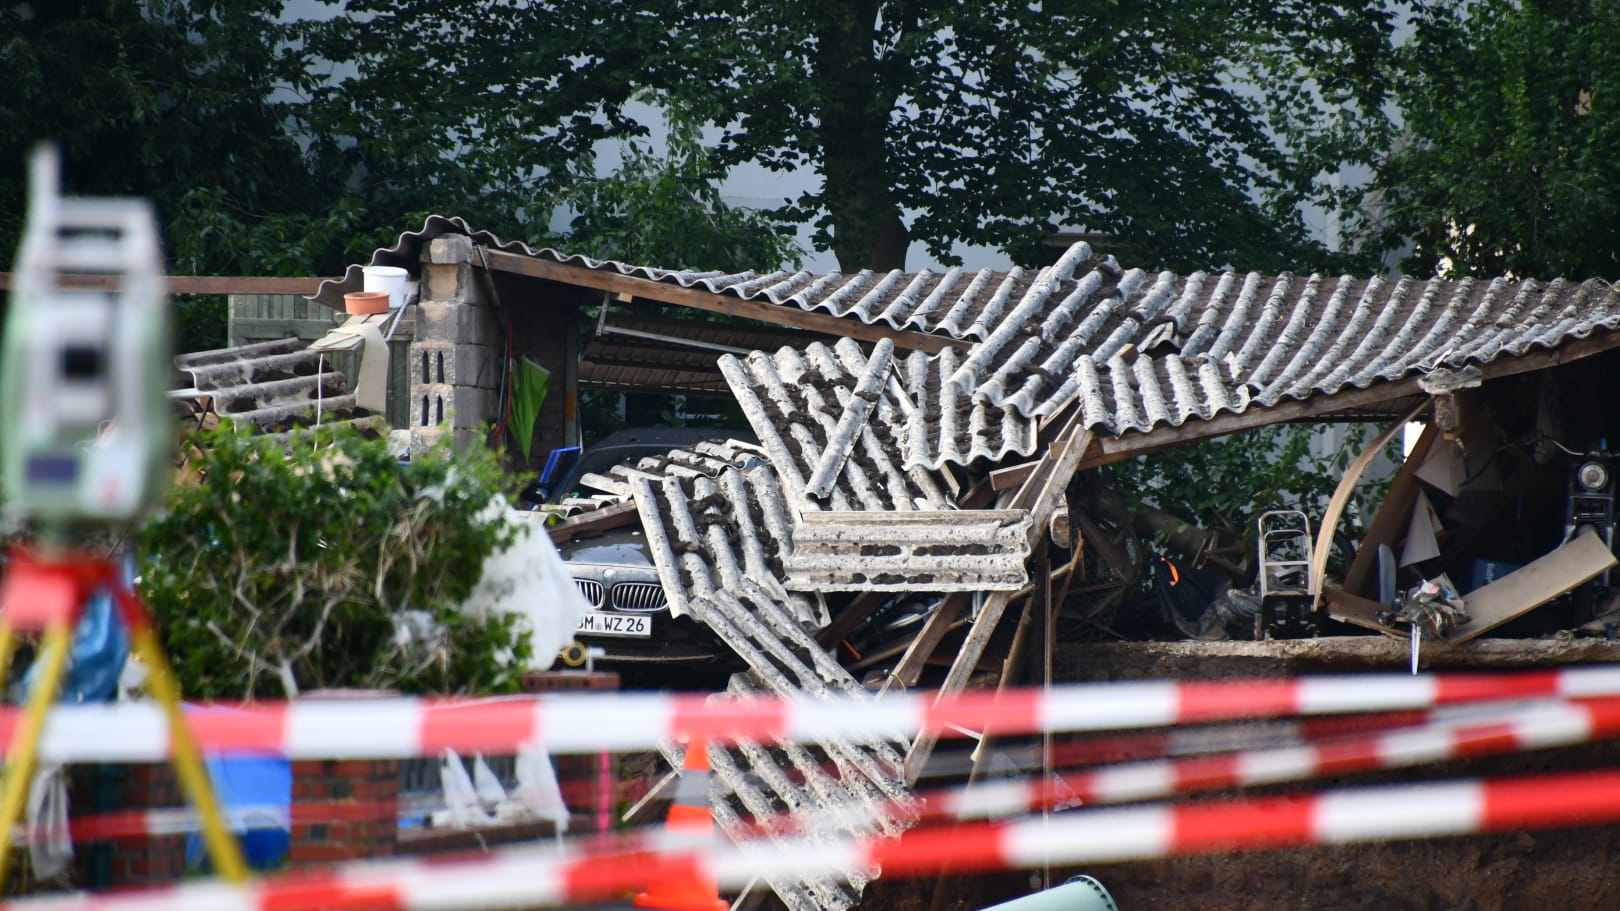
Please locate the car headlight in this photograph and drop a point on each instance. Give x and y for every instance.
(1593, 476)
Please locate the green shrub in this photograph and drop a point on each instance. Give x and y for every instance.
(288, 563)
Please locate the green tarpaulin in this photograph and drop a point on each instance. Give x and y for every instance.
(529, 382)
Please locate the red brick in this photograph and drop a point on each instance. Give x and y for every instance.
(319, 854)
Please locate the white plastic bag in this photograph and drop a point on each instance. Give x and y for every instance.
(50, 846)
(537, 789)
(530, 579)
(488, 787)
(460, 797)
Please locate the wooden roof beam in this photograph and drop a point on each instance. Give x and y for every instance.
(191, 284)
(698, 299)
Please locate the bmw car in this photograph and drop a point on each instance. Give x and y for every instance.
(629, 620)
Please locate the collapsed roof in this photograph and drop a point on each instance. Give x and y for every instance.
(871, 432)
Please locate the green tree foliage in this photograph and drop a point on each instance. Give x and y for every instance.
(194, 104)
(483, 109)
(1231, 480)
(997, 122)
(273, 147)
(993, 122)
(285, 568)
(1180, 495)
(283, 147)
(667, 211)
(1512, 113)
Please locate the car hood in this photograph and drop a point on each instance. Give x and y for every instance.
(620, 547)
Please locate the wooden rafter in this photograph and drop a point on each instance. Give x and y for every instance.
(194, 284)
(699, 299)
(1039, 494)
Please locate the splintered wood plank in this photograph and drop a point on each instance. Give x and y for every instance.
(615, 516)
(1390, 520)
(1532, 585)
(1341, 497)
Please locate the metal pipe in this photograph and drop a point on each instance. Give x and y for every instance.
(1079, 893)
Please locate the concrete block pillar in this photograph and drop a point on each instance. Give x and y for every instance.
(459, 364)
(454, 364)
(448, 273)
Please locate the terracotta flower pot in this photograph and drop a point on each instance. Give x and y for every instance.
(366, 302)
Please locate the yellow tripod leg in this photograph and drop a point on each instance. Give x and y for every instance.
(20, 761)
(223, 848)
(8, 646)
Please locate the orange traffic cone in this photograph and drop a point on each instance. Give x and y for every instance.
(690, 823)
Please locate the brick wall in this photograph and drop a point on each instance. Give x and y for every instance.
(137, 860)
(340, 784)
(347, 791)
(355, 786)
(582, 774)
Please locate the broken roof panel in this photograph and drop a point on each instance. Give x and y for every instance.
(948, 424)
(718, 543)
(959, 550)
(828, 415)
(829, 791)
(709, 535)
(274, 386)
(706, 459)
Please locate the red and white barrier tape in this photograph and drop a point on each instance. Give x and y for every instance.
(1527, 726)
(534, 876)
(591, 722)
(1534, 726)
(1199, 740)
(1530, 726)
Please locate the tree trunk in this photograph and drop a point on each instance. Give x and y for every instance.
(868, 232)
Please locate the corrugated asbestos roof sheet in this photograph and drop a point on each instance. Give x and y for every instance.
(1142, 350)
(832, 426)
(707, 459)
(962, 550)
(711, 535)
(274, 386)
(718, 542)
(1145, 350)
(718, 528)
(956, 303)
(947, 424)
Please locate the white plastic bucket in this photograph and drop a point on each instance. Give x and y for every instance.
(387, 278)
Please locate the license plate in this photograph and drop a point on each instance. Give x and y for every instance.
(602, 623)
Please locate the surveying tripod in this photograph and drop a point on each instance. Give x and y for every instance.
(85, 435)
(45, 595)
